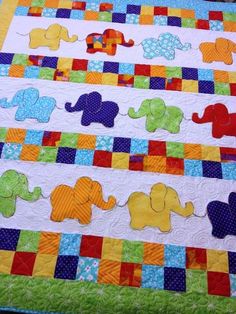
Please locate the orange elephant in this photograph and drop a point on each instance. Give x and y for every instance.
(76, 203)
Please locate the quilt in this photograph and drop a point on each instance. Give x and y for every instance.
(117, 156)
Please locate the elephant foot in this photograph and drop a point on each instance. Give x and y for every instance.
(136, 225)
(91, 51)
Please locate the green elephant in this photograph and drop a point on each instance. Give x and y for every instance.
(13, 185)
(158, 115)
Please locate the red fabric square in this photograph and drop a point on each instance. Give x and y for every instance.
(102, 159)
(79, 5)
(203, 24)
(218, 283)
(51, 138)
(23, 263)
(106, 7)
(80, 64)
(142, 69)
(130, 274)
(91, 246)
(157, 148)
(160, 11)
(175, 165)
(216, 15)
(233, 89)
(196, 258)
(136, 163)
(174, 84)
(125, 80)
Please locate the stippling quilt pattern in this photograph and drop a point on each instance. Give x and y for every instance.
(117, 156)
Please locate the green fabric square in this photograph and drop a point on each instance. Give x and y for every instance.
(69, 140)
(175, 150)
(20, 59)
(173, 72)
(222, 88)
(48, 154)
(132, 252)
(46, 73)
(229, 16)
(38, 3)
(141, 82)
(188, 23)
(28, 241)
(77, 76)
(3, 133)
(105, 16)
(196, 281)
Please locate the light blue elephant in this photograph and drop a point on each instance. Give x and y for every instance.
(164, 46)
(30, 105)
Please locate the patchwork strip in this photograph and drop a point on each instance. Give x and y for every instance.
(133, 14)
(118, 153)
(119, 262)
(157, 77)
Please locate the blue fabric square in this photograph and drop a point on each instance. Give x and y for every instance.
(174, 21)
(111, 67)
(87, 269)
(216, 26)
(118, 17)
(77, 14)
(34, 137)
(175, 256)
(189, 74)
(63, 13)
(66, 155)
(50, 62)
(121, 144)
(232, 262)
(139, 146)
(212, 169)
(9, 239)
(21, 11)
(49, 12)
(233, 285)
(133, 9)
(6, 58)
(132, 19)
(95, 66)
(70, 244)
(193, 168)
(66, 267)
(4, 69)
(84, 157)
(205, 75)
(1, 147)
(160, 20)
(152, 277)
(11, 151)
(157, 83)
(126, 68)
(228, 170)
(174, 279)
(92, 6)
(206, 87)
(104, 143)
(31, 72)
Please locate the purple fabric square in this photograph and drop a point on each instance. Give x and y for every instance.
(121, 144)
(119, 17)
(63, 13)
(1, 147)
(66, 267)
(112, 67)
(50, 62)
(189, 74)
(212, 169)
(206, 87)
(133, 9)
(174, 279)
(174, 21)
(9, 239)
(6, 58)
(232, 262)
(157, 83)
(66, 155)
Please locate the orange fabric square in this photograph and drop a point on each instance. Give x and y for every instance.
(91, 15)
(146, 19)
(159, 71)
(87, 141)
(30, 152)
(16, 70)
(49, 243)
(154, 164)
(221, 76)
(15, 136)
(187, 13)
(153, 254)
(193, 151)
(109, 272)
(94, 78)
(24, 3)
(51, 3)
(229, 26)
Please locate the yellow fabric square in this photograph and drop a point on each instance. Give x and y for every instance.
(217, 261)
(232, 77)
(6, 260)
(211, 153)
(64, 63)
(112, 249)
(190, 86)
(120, 160)
(44, 265)
(65, 4)
(146, 19)
(110, 79)
(174, 12)
(147, 10)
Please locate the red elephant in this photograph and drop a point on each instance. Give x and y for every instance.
(223, 122)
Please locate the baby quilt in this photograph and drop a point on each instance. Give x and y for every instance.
(117, 156)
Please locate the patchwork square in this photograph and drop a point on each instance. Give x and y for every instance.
(34, 137)
(77, 76)
(51, 138)
(70, 244)
(109, 272)
(233, 285)
(217, 261)
(130, 274)
(63, 13)
(175, 165)
(157, 148)
(120, 160)
(23, 263)
(175, 149)
(66, 267)
(102, 159)
(196, 281)
(66, 155)
(91, 246)
(153, 277)
(218, 283)
(84, 157)
(232, 262)
(95, 66)
(174, 21)
(133, 9)
(44, 265)
(190, 74)
(11, 151)
(16, 136)
(211, 153)
(193, 168)
(196, 258)
(69, 140)
(174, 279)
(121, 144)
(111, 67)
(153, 254)
(86, 141)
(112, 249)
(157, 83)
(154, 164)
(175, 256)
(132, 251)
(104, 143)
(229, 171)
(87, 269)
(136, 163)
(9, 239)
(28, 241)
(82, 65)
(212, 169)
(32, 72)
(48, 154)
(126, 68)
(49, 243)
(118, 17)
(30, 152)
(206, 87)
(6, 260)
(139, 146)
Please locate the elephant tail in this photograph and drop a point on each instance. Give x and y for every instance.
(129, 43)
(5, 104)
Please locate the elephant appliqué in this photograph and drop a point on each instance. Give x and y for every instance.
(223, 217)
(14, 185)
(76, 203)
(158, 115)
(107, 42)
(50, 37)
(163, 46)
(220, 51)
(154, 210)
(94, 109)
(223, 122)
(30, 105)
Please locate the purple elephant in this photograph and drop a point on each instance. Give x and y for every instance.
(223, 217)
(94, 109)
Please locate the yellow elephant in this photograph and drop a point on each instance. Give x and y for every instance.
(154, 210)
(76, 203)
(50, 37)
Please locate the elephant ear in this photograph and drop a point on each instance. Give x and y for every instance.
(8, 182)
(222, 45)
(31, 96)
(18, 98)
(94, 102)
(53, 31)
(157, 107)
(82, 190)
(157, 197)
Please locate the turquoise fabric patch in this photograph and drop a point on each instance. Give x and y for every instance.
(87, 269)
(139, 146)
(70, 244)
(175, 256)
(104, 143)
(95, 66)
(84, 157)
(34, 137)
(11, 151)
(193, 168)
(153, 277)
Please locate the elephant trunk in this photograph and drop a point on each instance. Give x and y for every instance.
(207, 116)
(97, 198)
(129, 43)
(143, 110)
(30, 196)
(5, 104)
(65, 36)
(80, 104)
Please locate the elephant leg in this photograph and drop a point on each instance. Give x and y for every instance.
(54, 46)
(83, 212)
(7, 206)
